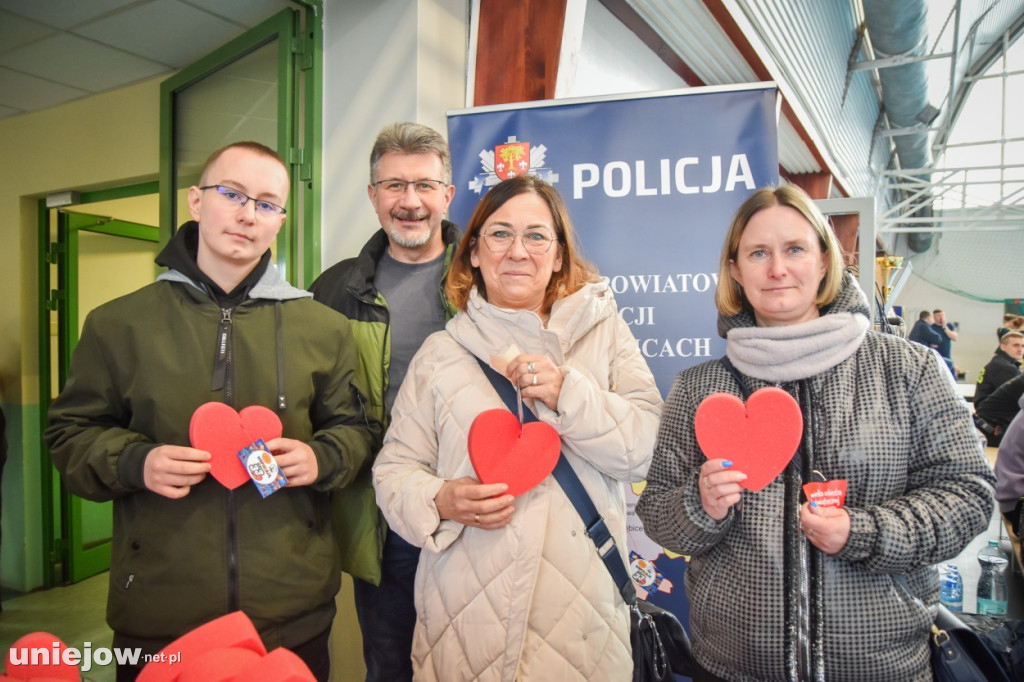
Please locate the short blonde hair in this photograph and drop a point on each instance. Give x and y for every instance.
(248, 145)
(1005, 338)
(729, 296)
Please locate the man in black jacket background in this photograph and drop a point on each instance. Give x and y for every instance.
(1003, 366)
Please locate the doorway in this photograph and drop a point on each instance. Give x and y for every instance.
(98, 250)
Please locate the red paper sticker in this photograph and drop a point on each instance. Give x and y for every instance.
(827, 493)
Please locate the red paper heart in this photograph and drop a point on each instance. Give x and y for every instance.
(501, 452)
(218, 429)
(53, 670)
(231, 632)
(760, 438)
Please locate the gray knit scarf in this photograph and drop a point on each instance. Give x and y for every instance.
(797, 351)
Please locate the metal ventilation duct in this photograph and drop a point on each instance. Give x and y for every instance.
(898, 28)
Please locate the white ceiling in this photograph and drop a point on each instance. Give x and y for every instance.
(55, 51)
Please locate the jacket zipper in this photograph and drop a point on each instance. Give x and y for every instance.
(234, 599)
(223, 380)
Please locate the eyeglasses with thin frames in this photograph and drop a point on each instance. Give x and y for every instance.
(264, 208)
(424, 187)
(535, 241)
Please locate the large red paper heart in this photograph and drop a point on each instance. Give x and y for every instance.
(233, 631)
(760, 438)
(501, 452)
(218, 429)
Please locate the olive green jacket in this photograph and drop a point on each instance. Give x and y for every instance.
(143, 365)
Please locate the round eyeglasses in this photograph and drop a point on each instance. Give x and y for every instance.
(397, 187)
(237, 197)
(536, 242)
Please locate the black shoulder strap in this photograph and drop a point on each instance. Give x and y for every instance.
(727, 363)
(574, 490)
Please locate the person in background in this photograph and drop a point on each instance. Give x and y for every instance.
(1005, 327)
(947, 335)
(923, 333)
(1009, 470)
(781, 589)
(993, 415)
(1004, 365)
(219, 325)
(514, 589)
(393, 292)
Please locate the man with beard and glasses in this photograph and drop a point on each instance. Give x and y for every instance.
(393, 293)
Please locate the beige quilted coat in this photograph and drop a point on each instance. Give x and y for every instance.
(532, 601)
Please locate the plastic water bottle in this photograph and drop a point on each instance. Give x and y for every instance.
(992, 581)
(951, 587)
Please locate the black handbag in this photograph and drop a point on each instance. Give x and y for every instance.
(958, 654)
(660, 646)
(659, 643)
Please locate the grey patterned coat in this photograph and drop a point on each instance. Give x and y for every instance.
(889, 421)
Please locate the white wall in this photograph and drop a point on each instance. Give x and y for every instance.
(384, 61)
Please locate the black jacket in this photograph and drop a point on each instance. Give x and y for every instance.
(1002, 406)
(1000, 369)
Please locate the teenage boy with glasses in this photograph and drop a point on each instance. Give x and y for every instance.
(219, 325)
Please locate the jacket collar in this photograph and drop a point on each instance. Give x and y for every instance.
(1000, 353)
(270, 286)
(373, 251)
(485, 329)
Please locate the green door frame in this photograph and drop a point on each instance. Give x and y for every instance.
(57, 546)
(299, 134)
(69, 225)
(83, 560)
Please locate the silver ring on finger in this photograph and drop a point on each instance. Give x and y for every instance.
(476, 518)
(707, 483)
(531, 367)
(534, 379)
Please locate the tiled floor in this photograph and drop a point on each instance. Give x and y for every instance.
(74, 614)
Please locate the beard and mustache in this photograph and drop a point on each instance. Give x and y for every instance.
(410, 241)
